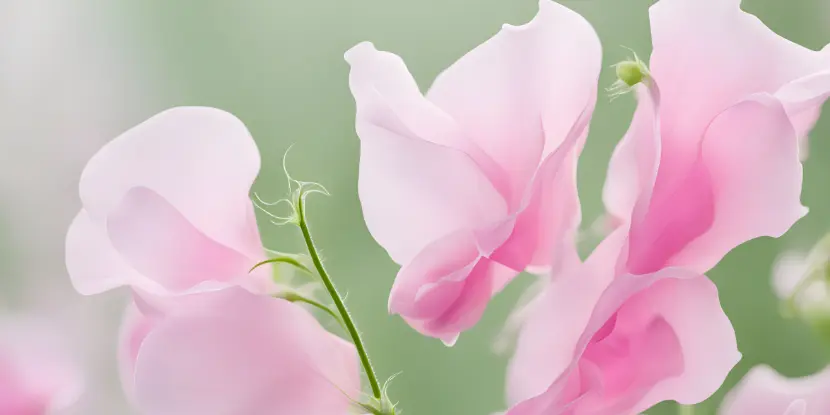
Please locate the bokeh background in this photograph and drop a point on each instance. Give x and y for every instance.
(75, 73)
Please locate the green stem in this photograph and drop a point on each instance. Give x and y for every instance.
(338, 301)
(685, 409)
(295, 298)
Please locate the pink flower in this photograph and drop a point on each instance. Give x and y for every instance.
(712, 156)
(475, 181)
(37, 377)
(763, 391)
(166, 207)
(232, 352)
(600, 342)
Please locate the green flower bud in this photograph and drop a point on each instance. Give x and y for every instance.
(631, 72)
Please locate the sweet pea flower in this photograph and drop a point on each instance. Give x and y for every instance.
(166, 209)
(37, 377)
(474, 181)
(763, 391)
(711, 159)
(232, 352)
(601, 342)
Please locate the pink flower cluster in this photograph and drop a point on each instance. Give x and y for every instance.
(465, 187)
(474, 181)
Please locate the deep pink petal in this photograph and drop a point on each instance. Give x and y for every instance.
(751, 155)
(637, 343)
(445, 289)
(544, 235)
(518, 94)
(550, 334)
(764, 391)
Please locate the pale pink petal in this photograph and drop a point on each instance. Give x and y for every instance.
(254, 355)
(518, 94)
(703, 51)
(803, 99)
(93, 264)
(764, 391)
(798, 407)
(201, 160)
(632, 169)
(165, 201)
(415, 185)
(135, 327)
(751, 156)
(475, 183)
(157, 241)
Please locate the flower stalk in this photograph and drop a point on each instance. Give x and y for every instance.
(338, 300)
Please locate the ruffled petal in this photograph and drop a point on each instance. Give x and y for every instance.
(703, 50)
(518, 94)
(635, 344)
(253, 355)
(550, 333)
(751, 155)
(162, 245)
(764, 391)
(201, 160)
(445, 289)
(418, 181)
(544, 235)
(93, 264)
(633, 167)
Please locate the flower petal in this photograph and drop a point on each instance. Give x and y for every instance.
(764, 391)
(415, 184)
(544, 235)
(553, 326)
(201, 160)
(162, 245)
(519, 93)
(253, 355)
(445, 289)
(703, 50)
(135, 326)
(803, 99)
(636, 343)
(751, 154)
(633, 167)
(93, 264)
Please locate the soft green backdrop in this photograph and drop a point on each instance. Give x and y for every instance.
(278, 66)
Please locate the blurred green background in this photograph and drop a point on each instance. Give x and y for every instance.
(278, 66)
